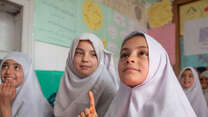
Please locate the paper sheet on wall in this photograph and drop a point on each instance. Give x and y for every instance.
(166, 36)
(195, 10)
(196, 36)
(130, 8)
(160, 14)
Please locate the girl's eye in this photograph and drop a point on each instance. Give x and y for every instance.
(17, 67)
(183, 75)
(5, 66)
(78, 53)
(143, 53)
(124, 55)
(93, 54)
(190, 76)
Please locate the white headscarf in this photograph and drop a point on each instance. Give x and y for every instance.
(72, 97)
(160, 95)
(205, 91)
(195, 95)
(29, 101)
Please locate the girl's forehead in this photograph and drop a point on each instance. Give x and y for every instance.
(137, 40)
(85, 42)
(10, 61)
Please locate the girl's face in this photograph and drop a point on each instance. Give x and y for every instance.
(204, 82)
(11, 70)
(134, 61)
(85, 58)
(187, 79)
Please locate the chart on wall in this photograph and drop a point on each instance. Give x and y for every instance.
(192, 60)
(60, 21)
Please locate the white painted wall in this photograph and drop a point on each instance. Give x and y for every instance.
(50, 57)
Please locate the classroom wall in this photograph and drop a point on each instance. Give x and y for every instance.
(50, 57)
(57, 23)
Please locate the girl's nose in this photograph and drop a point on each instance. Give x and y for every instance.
(9, 70)
(85, 58)
(131, 59)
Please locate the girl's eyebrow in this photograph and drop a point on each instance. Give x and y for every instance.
(80, 49)
(93, 51)
(15, 64)
(138, 47)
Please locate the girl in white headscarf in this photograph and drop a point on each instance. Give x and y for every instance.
(20, 92)
(89, 67)
(189, 80)
(149, 87)
(204, 84)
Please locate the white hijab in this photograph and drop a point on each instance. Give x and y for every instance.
(195, 95)
(160, 95)
(72, 97)
(29, 101)
(205, 91)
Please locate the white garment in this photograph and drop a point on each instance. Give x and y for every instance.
(195, 94)
(72, 97)
(29, 101)
(205, 92)
(160, 95)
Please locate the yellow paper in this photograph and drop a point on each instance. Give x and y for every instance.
(92, 15)
(160, 14)
(104, 43)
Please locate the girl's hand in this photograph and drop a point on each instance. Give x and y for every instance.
(7, 95)
(89, 112)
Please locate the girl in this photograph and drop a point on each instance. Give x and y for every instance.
(20, 92)
(89, 67)
(149, 87)
(204, 83)
(189, 80)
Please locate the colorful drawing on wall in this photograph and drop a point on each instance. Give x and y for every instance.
(113, 32)
(119, 19)
(148, 1)
(160, 14)
(104, 43)
(131, 8)
(58, 22)
(192, 11)
(92, 15)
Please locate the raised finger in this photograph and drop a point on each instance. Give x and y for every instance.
(92, 104)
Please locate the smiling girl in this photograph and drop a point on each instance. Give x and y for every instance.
(189, 80)
(20, 92)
